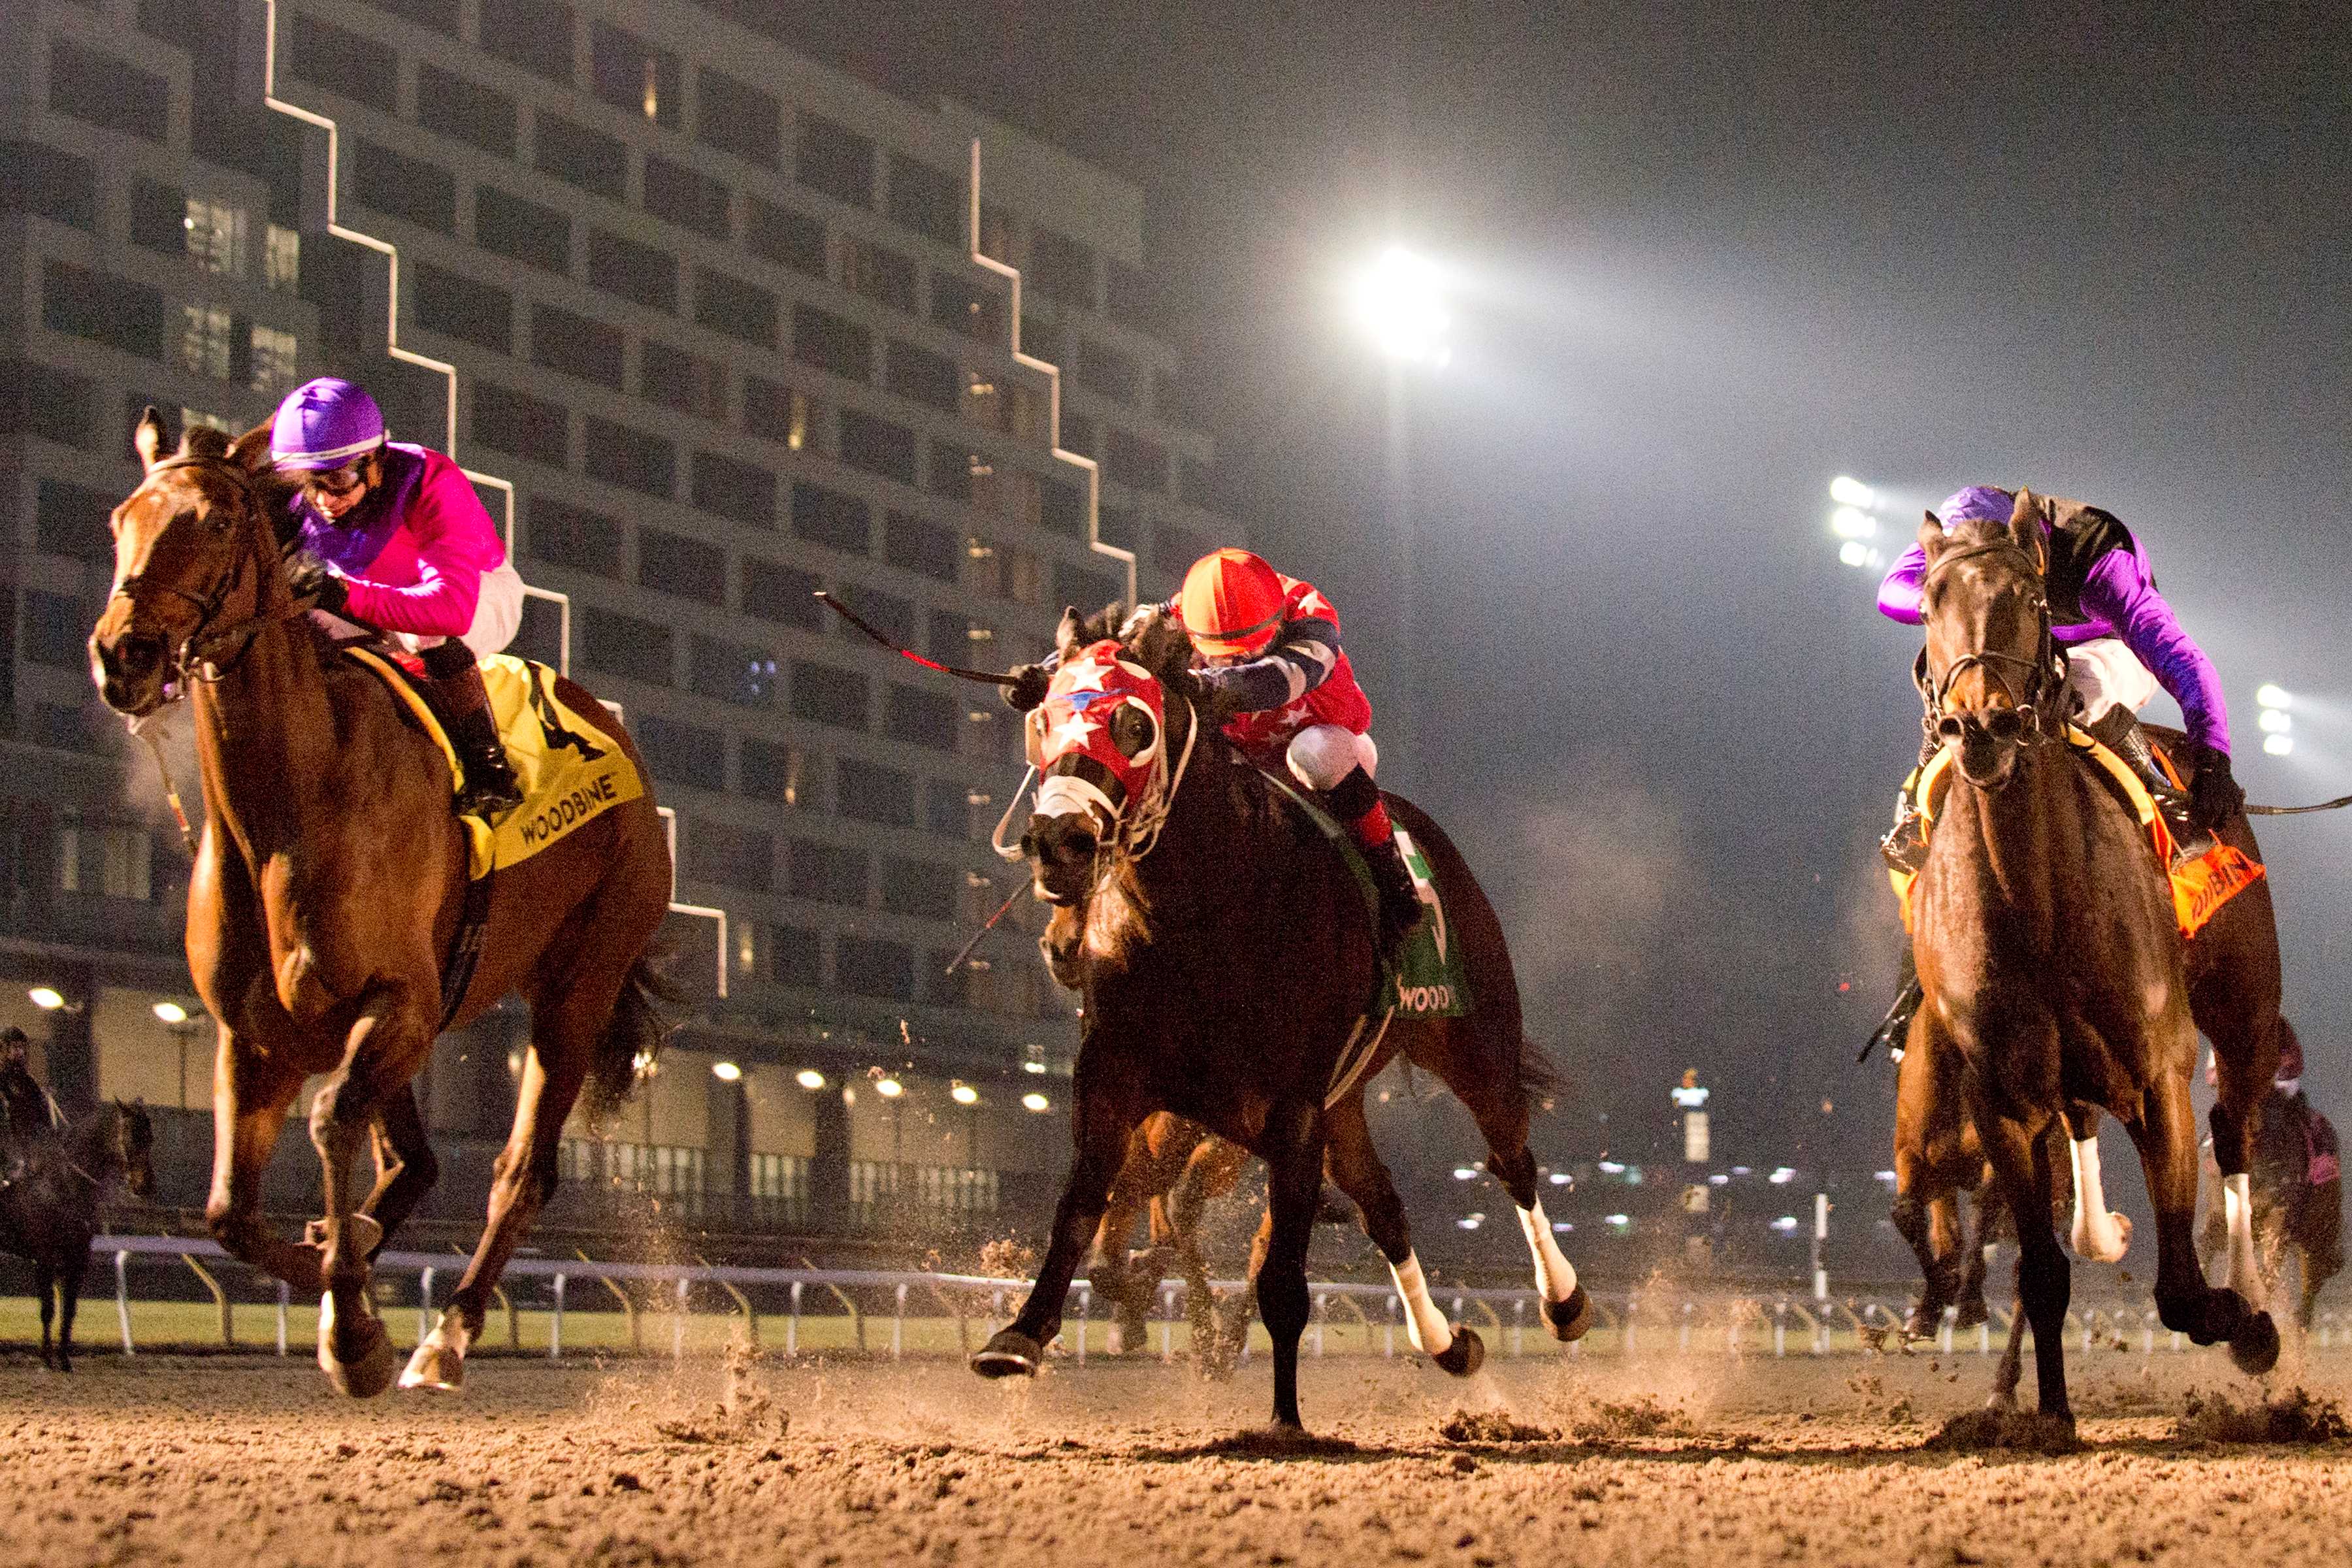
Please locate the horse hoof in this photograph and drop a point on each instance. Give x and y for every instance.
(1465, 1355)
(1009, 1354)
(1973, 1315)
(439, 1363)
(1569, 1320)
(2092, 1247)
(2254, 1348)
(365, 1373)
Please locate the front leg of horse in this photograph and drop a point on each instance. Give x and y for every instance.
(1100, 1124)
(1294, 1157)
(386, 1044)
(2184, 1300)
(251, 1098)
(2099, 1234)
(1939, 1279)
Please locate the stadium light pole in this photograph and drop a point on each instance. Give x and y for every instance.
(1399, 302)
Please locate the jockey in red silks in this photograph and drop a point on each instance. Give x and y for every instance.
(1273, 675)
(393, 540)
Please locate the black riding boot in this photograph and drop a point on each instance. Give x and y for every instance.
(1905, 847)
(2118, 730)
(1356, 802)
(490, 789)
(1895, 1027)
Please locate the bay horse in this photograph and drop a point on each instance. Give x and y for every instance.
(2297, 1190)
(49, 1207)
(1225, 953)
(327, 887)
(1173, 1168)
(2047, 945)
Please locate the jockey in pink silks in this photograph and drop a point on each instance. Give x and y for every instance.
(393, 540)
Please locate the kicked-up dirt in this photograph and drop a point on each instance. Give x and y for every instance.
(1702, 1461)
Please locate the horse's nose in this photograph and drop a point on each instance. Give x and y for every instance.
(127, 667)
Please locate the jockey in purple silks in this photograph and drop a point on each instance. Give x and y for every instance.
(393, 540)
(2121, 641)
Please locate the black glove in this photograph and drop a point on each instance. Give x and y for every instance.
(2214, 796)
(1213, 701)
(312, 579)
(1030, 682)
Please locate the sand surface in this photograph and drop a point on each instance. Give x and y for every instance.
(1699, 1460)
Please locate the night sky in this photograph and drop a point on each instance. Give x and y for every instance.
(1707, 258)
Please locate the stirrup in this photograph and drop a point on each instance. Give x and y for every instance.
(1893, 1028)
(1905, 846)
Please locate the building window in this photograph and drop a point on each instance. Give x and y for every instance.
(634, 271)
(791, 240)
(913, 544)
(423, 194)
(69, 520)
(687, 383)
(1061, 508)
(878, 446)
(534, 34)
(924, 377)
(57, 630)
(625, 645)
(771, 772)
(630, 458)
(949, 475)
(273, 353)
(575, 346)
(51, 183)
(103, 308)
(524, 231)
(927, 201)
(780, 1186)
(740, 491)
(735, 308)
(687, 197)
(215, 236)
(1104, 369)
(836, 160)
(824, 695)
(672, 564)
(477, 115)
(677, 753)
(578, 156)
(870, 793)
(360, 68)
(924, 717)
(1061, 268)
(1136, 461)
(830, 343)
(873, 1183)
(831, 519)
(53, 403)
(828, 873)
(962, 306)
(918, 889)
(736, 117)
(203, 345)
(575, 537)
(866, 967)
(281, 259)
(104, 91)
(739, 857)
(518, 422)
(729, 672)
(463, 307)
(784, 415)
(877, 273)
(785, 594)
(629, 73)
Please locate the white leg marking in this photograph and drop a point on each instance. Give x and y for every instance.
(1555, 1275)
(1423, 1324)
(2237, 1204)
(2099, 1234)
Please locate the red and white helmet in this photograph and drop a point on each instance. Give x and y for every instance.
(1232, 605)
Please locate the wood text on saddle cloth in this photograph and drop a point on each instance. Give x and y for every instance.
(576, 806)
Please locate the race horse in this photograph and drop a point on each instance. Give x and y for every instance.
(2048, 948)
(1173, 1168)
(327, 887)
(1226, 955)
(49, 1206)
(2298, 1192)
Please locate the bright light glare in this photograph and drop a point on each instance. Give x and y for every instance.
(1847, 490)
(1468, 1222)
(1619, 1221)
(2274, 720)
(1400, 304)
(1851, 522)
(1464, 1173)
(47, 998)
(1032, 1066)
(809, 1078)
(1787, 1222)
(1782, 1177)
(889, 1088)
(964, 1094)
(1035, 1102)
(2271, 695)
(1718, 1180)
(171, 1012)
(726, 1072)
(1560, 1178)
(2276, 745)
(1854, 553)
(1610, 1168)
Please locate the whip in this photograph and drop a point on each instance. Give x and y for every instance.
(986, 677)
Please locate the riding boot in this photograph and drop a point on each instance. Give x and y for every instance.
(1356, 802)
(1895, 1027)
(1905, 847)
(490, 790)
(2118, 730)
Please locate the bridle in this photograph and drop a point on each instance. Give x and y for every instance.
(2036, 711)
(199, 655)
(1136, 822)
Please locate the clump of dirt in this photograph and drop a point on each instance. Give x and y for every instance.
(1008, 1258)
(2011, 1431)
(2298, 1416)
(1277, 1443)
(1643, 1417)
(745, 1411)
(1491, 1427)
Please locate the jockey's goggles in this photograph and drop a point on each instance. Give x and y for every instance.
(337, 483)
(1097, 736)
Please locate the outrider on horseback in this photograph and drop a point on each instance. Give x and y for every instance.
(1238, 947)
(363, 879)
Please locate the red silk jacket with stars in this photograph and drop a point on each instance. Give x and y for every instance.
(1302, 681)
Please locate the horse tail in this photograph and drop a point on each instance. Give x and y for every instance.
(632, 1035)
(1540, 1079)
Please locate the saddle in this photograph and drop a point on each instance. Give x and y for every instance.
(2201, 887)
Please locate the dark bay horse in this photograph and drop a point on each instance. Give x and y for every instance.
(2297, 1192)
(1225, 953)
(326, 891)
(1173, 1168)
(2046, 942)
(49, 1207)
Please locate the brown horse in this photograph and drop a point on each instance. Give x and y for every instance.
(49, 1206)
(1227, 953)
(2047, 946)
(2297, 1193)
(1173, 1168)
(327, 889)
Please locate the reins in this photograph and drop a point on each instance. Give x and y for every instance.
(2044, 673)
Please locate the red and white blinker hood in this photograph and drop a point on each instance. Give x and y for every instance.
(1076, 735)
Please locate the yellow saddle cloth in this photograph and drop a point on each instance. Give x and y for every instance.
(570, 771)
(2200, 887)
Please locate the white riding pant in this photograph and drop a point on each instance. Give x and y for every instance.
(497, 616)
(1322, 754)
(2102, 674)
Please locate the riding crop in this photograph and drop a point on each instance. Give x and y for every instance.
(987, 677)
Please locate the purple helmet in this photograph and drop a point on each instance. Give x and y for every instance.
(324, 424)
(1977, 503)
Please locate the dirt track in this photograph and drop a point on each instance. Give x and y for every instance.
(1704, 1462)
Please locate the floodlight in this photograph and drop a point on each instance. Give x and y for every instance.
(1847, 490)
(1400, 304)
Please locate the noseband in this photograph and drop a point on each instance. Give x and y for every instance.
(2036, 697)
(200, 651)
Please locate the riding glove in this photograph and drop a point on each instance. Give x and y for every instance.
(1030, 684)
(311, 578)
(2214, 796)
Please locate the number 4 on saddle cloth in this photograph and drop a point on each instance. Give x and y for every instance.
(570, 771)
(2200, 887)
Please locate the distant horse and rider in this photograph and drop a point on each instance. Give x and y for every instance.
(2297, 1189)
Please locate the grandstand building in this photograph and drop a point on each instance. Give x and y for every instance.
(714, 327)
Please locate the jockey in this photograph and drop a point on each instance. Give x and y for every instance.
(1273, 675)
(2115, 629)
(393, 540)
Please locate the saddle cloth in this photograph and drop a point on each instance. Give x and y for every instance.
(570, 771)
(2200, 887)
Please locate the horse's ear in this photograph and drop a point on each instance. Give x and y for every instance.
(2028, 520)
(1066, 635)
(1932, 537)
(147, 439)
(250, 451)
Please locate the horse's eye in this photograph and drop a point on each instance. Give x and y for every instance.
(1133, 730)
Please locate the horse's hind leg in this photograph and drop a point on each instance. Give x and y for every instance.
(70, 1278)
(2167, 1137)
(2099, 1234)
(1355, 1165)
(252, 1094)
(405, 1165)
(44, 1288)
